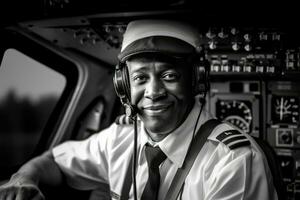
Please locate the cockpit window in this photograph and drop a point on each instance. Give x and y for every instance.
(29, 91)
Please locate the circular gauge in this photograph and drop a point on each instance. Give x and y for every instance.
(239, 122)
(285, 110)
(235, 112)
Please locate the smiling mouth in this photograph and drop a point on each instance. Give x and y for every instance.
(152, 110)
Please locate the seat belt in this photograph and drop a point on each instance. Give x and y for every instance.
(190, 158)
(179, 178)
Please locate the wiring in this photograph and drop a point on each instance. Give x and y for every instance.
(202, 101)
(134, 158)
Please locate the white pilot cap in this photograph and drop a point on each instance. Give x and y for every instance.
(174, 38)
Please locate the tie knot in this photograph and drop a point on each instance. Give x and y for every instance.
(154, 155)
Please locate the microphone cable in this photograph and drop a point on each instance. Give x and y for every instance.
(202, 101)
(134, 157)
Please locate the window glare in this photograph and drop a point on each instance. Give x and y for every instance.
(29, 92)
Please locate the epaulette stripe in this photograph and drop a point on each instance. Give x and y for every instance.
(230, 137)
(127, 121)
(226, 134)
(240, 144)
(117, 120)
(233, 139)
(123, 120)
(237, 141)
(130, 121)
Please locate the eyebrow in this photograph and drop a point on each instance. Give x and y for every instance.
(143, 67)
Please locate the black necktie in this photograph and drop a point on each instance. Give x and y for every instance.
(155, 157)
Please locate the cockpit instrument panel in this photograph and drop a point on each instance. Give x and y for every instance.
(237, 102)
(285, 109)
(238, 113)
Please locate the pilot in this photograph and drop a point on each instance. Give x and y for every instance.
(161, 79)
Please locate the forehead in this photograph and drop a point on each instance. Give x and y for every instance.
(147, 62)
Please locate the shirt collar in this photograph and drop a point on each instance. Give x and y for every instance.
(176, 144)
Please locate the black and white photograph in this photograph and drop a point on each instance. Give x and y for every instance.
(149, 100)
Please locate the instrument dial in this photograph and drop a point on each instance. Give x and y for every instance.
(235, 112)
(285, 109)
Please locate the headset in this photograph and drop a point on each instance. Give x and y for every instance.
(122, 85)
(122, 88)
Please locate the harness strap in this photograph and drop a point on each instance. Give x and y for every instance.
(194, 150)
(178, 180)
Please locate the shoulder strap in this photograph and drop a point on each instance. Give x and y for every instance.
(195, 148)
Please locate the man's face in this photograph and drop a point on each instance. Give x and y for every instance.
(162, 93)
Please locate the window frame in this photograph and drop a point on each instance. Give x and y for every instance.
(57, 59)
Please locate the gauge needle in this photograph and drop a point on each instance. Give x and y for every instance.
(281, 108)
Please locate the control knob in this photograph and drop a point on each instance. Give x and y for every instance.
(286, 137)
(212, 45)
(235, 46)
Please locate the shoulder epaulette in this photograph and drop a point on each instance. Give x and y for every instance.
(123, 120)
(233, 139)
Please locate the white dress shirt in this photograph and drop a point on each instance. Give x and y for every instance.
(218, 172)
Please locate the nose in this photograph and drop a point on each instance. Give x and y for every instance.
(155, 89)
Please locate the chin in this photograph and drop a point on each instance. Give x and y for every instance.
(158, 126)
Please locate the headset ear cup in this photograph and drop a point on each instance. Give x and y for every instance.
(122, 88)
(121, 83)
(126, 83)
(201, 78)
(117, 83)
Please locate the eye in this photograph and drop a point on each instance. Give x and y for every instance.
(139, 79)
(170, 76)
